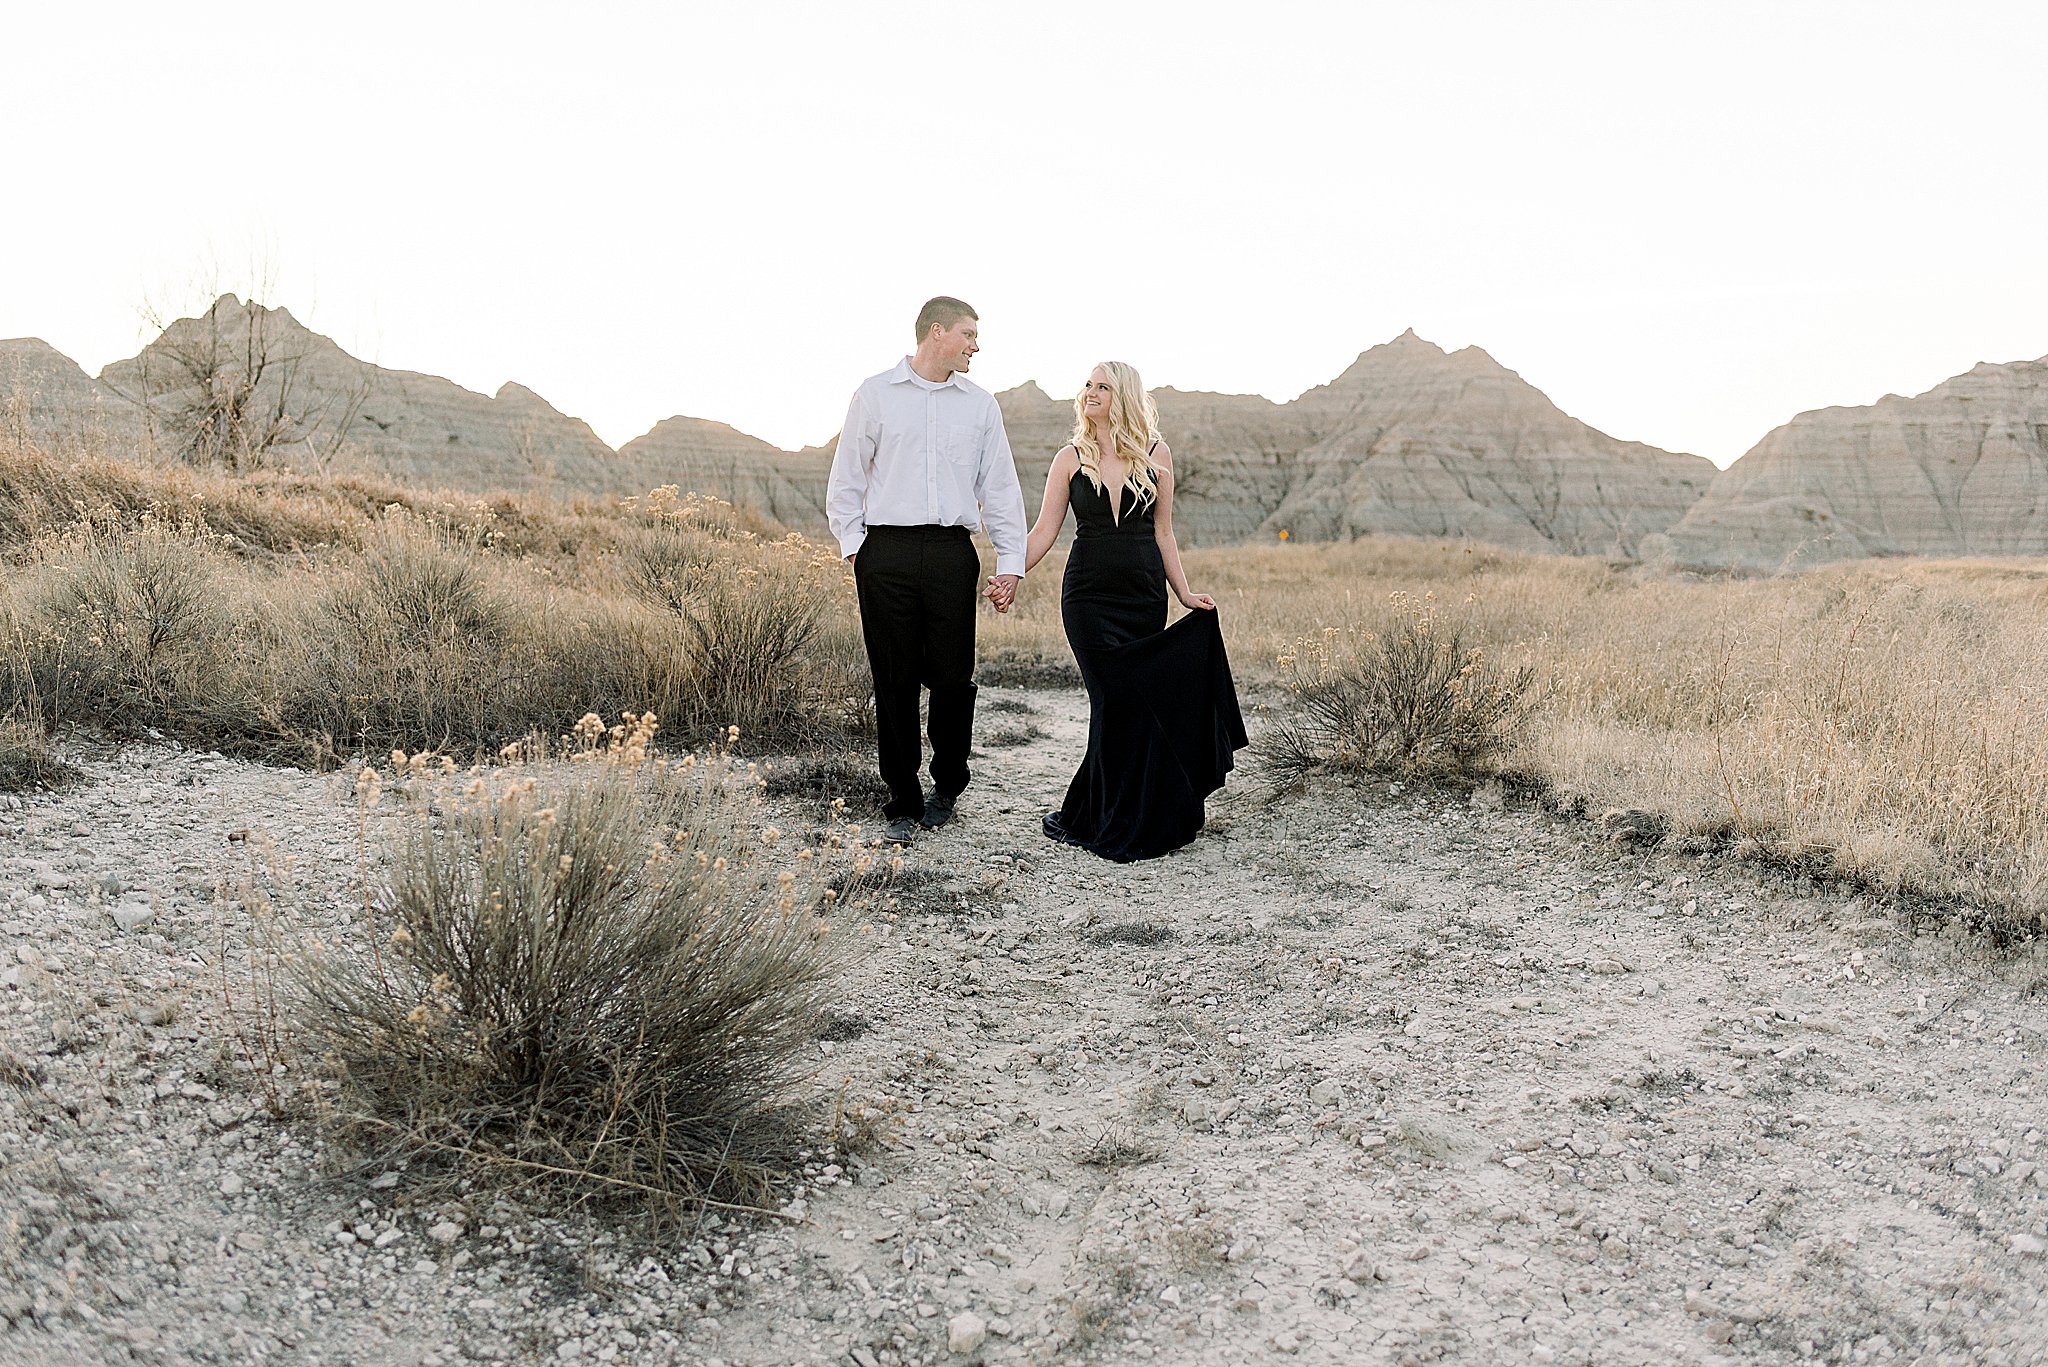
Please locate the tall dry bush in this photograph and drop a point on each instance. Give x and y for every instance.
(412, 642)
(1415, 697)
(592, 974)
(753, 620)
(130, 623)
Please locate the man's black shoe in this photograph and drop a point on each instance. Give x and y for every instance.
(902, 830)
(938, 810)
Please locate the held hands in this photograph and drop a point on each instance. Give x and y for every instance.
(1198, 600)
(1001, 591)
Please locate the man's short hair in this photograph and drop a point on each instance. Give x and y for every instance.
(945, 311)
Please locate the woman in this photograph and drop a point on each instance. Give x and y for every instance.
(1163, 719)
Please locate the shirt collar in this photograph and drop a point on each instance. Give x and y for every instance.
(903, 374)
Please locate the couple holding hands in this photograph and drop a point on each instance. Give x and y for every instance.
(922, 461)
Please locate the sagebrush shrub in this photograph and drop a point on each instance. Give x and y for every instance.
(132, 618)
(594, 973)
(412, 644)
(1414, 697)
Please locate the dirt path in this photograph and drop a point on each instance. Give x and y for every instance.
(1361, 1077)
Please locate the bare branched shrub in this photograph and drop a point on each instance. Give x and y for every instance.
(1414, 698)
(591, 974)
(230, 388)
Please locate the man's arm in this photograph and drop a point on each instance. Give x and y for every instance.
(1002, 500)
(846, 491)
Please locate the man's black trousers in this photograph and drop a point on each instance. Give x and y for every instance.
(917, 589)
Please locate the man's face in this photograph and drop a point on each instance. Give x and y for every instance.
(957, 344)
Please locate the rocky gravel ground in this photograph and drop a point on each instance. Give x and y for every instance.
(1364, 1076)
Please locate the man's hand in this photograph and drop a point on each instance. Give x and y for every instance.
(851, 556)
(1001, 591)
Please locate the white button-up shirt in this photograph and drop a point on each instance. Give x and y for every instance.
(914, 453)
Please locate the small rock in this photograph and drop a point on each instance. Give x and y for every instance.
(384, 1181)
(232, 1185)
(389, 1237)
(2029, 1245)
(132, 916)
(966, 1332)
(447, 1232)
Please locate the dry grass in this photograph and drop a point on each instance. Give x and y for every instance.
(26, 761)
(592, 974)
(1880, 720)
(309, 622)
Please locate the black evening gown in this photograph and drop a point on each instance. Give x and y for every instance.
(1163, 719)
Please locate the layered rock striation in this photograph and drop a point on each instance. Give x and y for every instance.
(1961, 470)
(1414, 441)
(305, 401)
(1409, 440)
(47, 401)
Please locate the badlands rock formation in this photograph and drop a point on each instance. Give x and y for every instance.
(46, 400)
(712, 458)
(342, 411)
(1408, 440)
(1960, 470)
(1414, 441)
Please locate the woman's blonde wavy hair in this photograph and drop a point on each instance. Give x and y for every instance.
(1133, 427)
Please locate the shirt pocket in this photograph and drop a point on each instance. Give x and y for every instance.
(960, 444)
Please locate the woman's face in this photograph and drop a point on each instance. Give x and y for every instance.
(1096, 395)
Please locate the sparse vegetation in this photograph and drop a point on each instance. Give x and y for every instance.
(26, 761)
(1143, 934)
(1880, 721)
(846, 778)
(1876, 721)
(1414, 698)
(591, 975)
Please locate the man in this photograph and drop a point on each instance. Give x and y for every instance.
(922, 461)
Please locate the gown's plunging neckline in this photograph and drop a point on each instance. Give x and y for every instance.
(1116, 497)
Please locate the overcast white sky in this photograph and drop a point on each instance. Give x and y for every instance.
(1683, 221)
